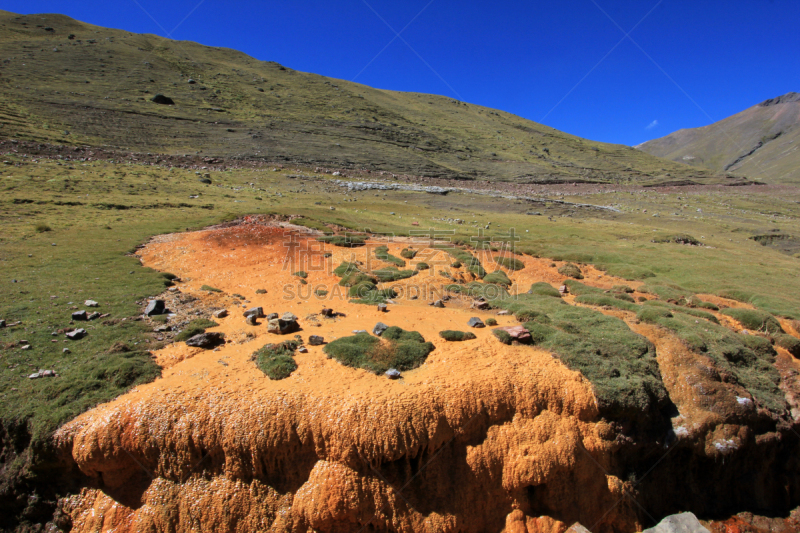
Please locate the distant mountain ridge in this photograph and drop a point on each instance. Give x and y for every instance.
(65, 82)
(761, 142)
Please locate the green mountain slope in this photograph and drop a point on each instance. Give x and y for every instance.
(760, 142)
(67, 82)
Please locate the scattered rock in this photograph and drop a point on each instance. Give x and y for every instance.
(252, 320)
(258, 312)
(80, 315)
(316, 340)
(154, 307)
(90, 303)
(94, 316)
(563, 289)
(439, 304)
(76, 334)
(502, 313)
(577, 528)
(272, 316)
(379, 328)
(66, 351)
(382, 308)
(476, 322)
(286, 324)
(206, 340)
(393, 374)
(480, 305)
(357, 331)
(261, 291)
(302, 349)
(220, 313)
(517, 333)
(25, 347)
(2, 323)
(327, 312)
(163, 100)
(163, 329)
(678, 523)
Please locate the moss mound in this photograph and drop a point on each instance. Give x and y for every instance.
(502, 335)
(422, 266)
(456, 336)
(789, 343)
(619, 363)
(382, 253)
(408, 253)
(389, 274)
(680, 238)
(195, 327)
(475, 289)
(747, 359)
(344, 241)
(473, 264)
(277, 360)
(396, 348)
(544, 289)
(605, 300)
(498, 277)
(490, 322)
(755, 320)
(571, 271)
(511, 263)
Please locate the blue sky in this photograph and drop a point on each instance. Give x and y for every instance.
(565, 63)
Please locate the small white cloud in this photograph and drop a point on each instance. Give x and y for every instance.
(652, 125)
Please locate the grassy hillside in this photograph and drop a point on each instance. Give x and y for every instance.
(66, 82)
(760, 143)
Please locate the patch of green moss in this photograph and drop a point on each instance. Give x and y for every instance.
(502, 335)
(789, 343)
(747, 358)
(390, 274)
(498, 277)
(456, 336)
(344, 241)
(301, 274)
(607, 301)
(408, 253)
(571, 271)
(619, 363)
(277, 360)
(544, 289)
(210, 289)
(195, 327)
(422, 266)
(382, 253)
(755, 320)
(396, 348)
(511, 263)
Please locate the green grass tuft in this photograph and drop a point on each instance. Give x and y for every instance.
(456, 336)
(498, 277)
(397, 348)
(544, 289)
(277, 360)
(510, 263)
(210, 289)
(571, 271)
(195, 327)
(754, 320)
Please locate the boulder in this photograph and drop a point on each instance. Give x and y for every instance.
(220, 313)
(80, 315)
(438, 303)
(90, 303)
(2, 323)
(206, 340)
(258, 312)
(76, 334)
(252, 320)
(316, 340)
(476, 322)
(517, 333)
(480, 305)
(382, 308)
(272, 316)
(563, 289)
(502, 313)
(163, 100)
(283, 325)
(94, 316)
(155, 307)
(393, 374)
(302, 349)
(379, 328)
(678, 523)
(326, 312)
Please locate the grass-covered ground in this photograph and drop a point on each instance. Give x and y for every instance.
(97, 212)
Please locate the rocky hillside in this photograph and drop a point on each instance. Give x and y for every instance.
(66, 82)
(760, 142)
